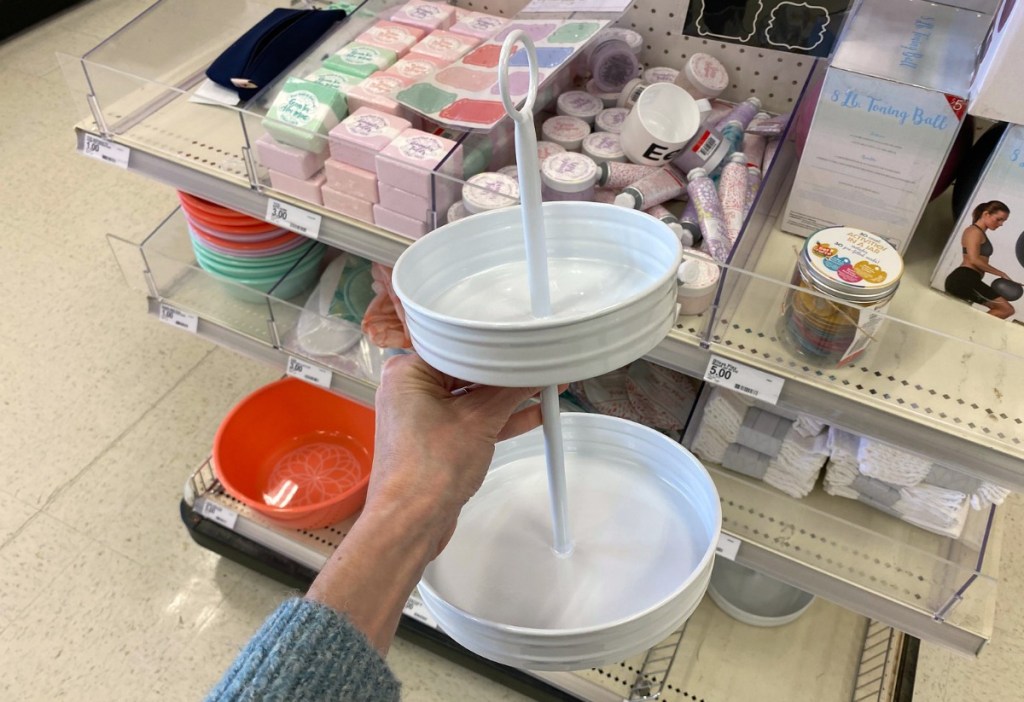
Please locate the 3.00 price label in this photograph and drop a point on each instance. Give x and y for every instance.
(744, 379)
(293, 218)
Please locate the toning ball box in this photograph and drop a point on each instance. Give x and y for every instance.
(890, 108)
(1002, 181)
(996, 91)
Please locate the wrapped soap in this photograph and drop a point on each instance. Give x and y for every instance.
(425, 14)
(409, 161)
(416, 68)
(356, 182)
(444, 46)
(307, 189)
(337, 200)
(361, 60)
(479, 25)
(342, 82)
(283, 158)
(302, 112)
(378, 92)
(392, 36)
(362, 135)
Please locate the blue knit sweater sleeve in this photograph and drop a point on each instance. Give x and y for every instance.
(306, 651)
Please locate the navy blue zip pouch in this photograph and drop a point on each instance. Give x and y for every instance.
(256, 58)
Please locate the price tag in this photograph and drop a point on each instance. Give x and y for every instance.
(728, 546)
(103, 150)
(291, 217)
(222, 515)
(179, 319)
(309, 372)
(744, 379)
(415, 608)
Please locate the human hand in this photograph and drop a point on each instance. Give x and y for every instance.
(432, 448)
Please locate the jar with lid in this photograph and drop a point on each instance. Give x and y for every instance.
(568, 176)
(844, 280)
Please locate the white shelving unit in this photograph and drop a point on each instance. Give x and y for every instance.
(933, 383)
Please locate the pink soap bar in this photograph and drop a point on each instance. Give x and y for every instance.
(425, 14)
(409, 160)
(444, 45)
(392, 36)
(348, 205)
(357, 182)
(282, 158)
(360, 136)
(416, 68)
(478, 24)
(398, 223)
(307, 189)
(377, 92)
(412, 206)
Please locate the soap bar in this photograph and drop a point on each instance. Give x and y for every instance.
(412, 206)
(479, 25)
(342, 82)
(357, 182)
(398, 223)
(365, 132)
(378, 92)
(360, 60)
(283, 158)
(445, 46)
(408, 161)
(416, 68)
(392, 35)
(307, 189)
(303, 111)
(348, 205)
(425, 14)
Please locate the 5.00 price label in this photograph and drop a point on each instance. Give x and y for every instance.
(293, 218)
(744, 379)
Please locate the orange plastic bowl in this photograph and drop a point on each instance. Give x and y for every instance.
(297, 454)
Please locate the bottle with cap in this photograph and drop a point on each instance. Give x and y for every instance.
(704, 196)
(662, 214)
(691, 228)
(732, 193)
(568, 176)
(707, 149)
(753, 188)
(732, 135)
(697, 277)
(703, 76)
(661, 186)
(612, 62)
(616, 175)
(743, 113)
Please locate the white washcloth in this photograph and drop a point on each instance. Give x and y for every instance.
(988, 495)
(795, 470)
(808, 425)
(891, 464)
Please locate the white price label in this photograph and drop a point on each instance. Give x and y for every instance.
(727, 547)
(309, 372)
(179, 319)
(291, 217)
(415, 608)
(222, 515)
(102, 150)
(744, 379)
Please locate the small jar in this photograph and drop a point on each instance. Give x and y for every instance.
(489, 191)
(661, 74)
(578, 103)
(548, 148)
(703, 76)
(610, 120)
(603, 146)
(511, 171)
(567, 132)
(631, 93)
(456, 212)
(609, 98)
(697, 277)
(854, 275)
(612, 63)
(632, 38)
(568, 176)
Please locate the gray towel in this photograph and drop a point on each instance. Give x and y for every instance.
(745, 460)
(763, 431)
(876, 490)
(943, 477)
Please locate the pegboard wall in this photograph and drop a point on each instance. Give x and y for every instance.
(773, 76)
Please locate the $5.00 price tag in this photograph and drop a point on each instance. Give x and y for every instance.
(727, 547)
(222, 515)
(179, 319)
(415, 608)
(309, 372)
(744, 379)
(102, 150)
(293, 218)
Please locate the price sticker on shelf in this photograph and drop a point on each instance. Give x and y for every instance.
(415, 608)
(310, 372)
(727, 547)
(293, 218)
(103, 150)
(216, 513)
(179, 319)
(744, 379)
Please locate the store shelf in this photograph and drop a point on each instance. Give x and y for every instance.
(730, 665)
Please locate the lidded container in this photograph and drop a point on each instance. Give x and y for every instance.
(857, 273)
(489, 191)
(612, 62)
(703, 76)
(578, 103)
(568, 176)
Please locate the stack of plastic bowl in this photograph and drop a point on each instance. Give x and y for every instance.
(240, 249)
(754, 598)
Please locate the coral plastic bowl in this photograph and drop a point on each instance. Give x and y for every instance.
(296, 454)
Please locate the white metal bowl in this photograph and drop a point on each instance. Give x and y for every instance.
(466, 295)
(645, 517)
(754, 598)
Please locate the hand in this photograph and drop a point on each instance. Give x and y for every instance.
(432, 449)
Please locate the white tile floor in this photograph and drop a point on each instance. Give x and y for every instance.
(103, 412)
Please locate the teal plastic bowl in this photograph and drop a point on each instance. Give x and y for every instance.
(256, 288)
(236, 269)
(286, 257)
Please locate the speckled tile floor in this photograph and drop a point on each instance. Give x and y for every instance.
(103, 412)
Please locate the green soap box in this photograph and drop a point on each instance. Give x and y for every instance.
(303, 112)
(360, 60)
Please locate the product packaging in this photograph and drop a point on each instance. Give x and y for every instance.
(890, 108)
(995, 91)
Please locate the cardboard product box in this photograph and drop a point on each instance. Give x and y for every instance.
(889, 111)
(996, 91)
(1002, 180)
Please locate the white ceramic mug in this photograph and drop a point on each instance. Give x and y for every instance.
(664, 118)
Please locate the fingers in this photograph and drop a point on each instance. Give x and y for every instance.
(521, 422)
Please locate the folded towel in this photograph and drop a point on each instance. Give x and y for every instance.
(745, 460)
(807, 425)
(880, 492)
(891, 464)
(988, 495)
(763, 431)
(796, 468)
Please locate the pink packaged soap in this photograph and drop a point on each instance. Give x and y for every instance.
(479, 25)
(398, 223)
(416, 68)
(425, 14)
(307, 189)
(348, 205)
(408, 162)
(445, 46)
(412, 206)
(362, 135)
(378, 92)
(289, 160)
(356, 182)
(392, 35)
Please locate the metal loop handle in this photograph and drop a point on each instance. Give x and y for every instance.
(526, 112)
